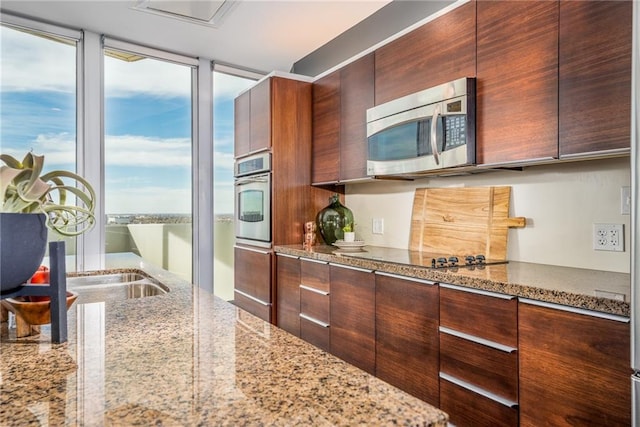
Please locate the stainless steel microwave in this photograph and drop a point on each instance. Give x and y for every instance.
(425, 131)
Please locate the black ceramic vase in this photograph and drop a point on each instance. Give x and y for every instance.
(332, 218)
(23, 242)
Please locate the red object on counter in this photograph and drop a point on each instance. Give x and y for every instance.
(40, 277)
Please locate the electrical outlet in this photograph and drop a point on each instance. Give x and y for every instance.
(608, 237)
(378, 226)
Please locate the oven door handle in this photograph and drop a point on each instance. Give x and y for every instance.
(253, 179)
(434, 134)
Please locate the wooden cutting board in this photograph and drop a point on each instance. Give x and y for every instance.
(462, 221)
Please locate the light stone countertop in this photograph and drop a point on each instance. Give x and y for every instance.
(187, 358)
(573, 287)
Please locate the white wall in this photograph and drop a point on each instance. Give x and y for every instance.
(560, 202)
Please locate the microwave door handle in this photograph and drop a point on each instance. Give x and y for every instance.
(434, 134)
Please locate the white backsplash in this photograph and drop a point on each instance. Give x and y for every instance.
(560, 202)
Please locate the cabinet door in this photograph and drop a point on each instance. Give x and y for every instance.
(261, 116)
(326, 130)
(595, 76)
(242, 124)
(407, 335)
(352, 328)
(517, 81)
(437, 52)
(574, 368)
(356, 95)
(288, 293)
(253, 281)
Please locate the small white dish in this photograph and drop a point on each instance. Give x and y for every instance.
(349, 245)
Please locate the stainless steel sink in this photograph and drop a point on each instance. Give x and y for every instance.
(114, 287)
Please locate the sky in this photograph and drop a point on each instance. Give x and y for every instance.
(147, 123)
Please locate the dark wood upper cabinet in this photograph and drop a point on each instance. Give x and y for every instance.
(242, 124)
(288, 293)
(356, 96)
(253, 119)
(352, 304)
(326, 129)
(517, 81)
(595, 76)
(574, 368)
(407, 336)
(340, 103)
(437, 52)
(261, 115)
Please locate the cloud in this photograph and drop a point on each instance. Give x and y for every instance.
(143, 151)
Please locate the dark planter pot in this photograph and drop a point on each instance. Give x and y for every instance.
(23, 242)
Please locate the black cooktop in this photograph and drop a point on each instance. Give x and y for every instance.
(422, 259)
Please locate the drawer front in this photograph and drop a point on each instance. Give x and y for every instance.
(314, 305)
(467, 408)
(314, 274)
(315, 334)
(489, 317)
(252, 272)
(259, 309)
(488, 368)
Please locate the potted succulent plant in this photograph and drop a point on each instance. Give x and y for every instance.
(349, 234)
(31, 203)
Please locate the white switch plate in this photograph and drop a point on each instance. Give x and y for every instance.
(378, 226)
(625, 200)
(608, 237)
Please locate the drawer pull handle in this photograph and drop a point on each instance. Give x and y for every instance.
(482, 392)
(258, 251)
(410, 279)
(576, 310)
(317, 291)
(252, 298)
(478, 340)
(286, 255)
(349, 267)
(476, 291)
(317, 261)
(312, 320)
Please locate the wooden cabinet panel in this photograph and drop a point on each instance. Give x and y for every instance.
(326, 129)
(488, 317)
(242, 124)
(574, 368)
(488, 368)
(356, 95)
(517, 81)
(595, 75)
(353, 317)
(407, 336)
(315, 274)
(315, 334)
(254, 278)
(261, 115)
(474, 410)
(253, 281)
(314, 305)
(437, 52)
(288, 293)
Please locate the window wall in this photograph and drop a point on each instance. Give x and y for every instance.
(147, 152)
(225, 89)
(38, 98)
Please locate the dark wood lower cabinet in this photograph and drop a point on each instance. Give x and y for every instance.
(407, 335)
(353, 336)
(288, 293)
(475, 410)
(252, 282)
(574, 368)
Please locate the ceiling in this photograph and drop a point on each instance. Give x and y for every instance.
(261, 35)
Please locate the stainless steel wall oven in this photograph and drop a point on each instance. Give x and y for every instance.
(253, 199)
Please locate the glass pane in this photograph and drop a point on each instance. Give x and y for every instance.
(148, 161)
(225, 89)
(38, 104)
